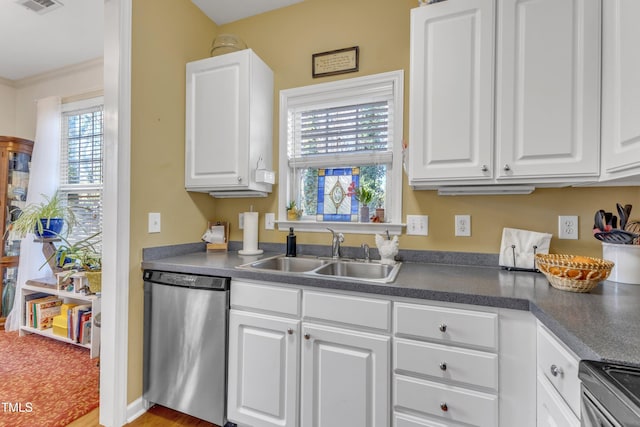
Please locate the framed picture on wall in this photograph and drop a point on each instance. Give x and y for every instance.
(335, 62)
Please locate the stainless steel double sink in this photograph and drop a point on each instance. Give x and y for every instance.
(372, 271)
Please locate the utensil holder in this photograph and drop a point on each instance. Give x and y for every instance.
(627, 262)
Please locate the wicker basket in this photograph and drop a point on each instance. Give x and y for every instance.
(573, 273)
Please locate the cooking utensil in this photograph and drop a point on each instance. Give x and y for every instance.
(616, 236)
(623, 215)
(605, 233)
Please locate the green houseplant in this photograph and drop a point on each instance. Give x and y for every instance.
(45, 219)
(293, 212)
(80, 257)
(365, 197)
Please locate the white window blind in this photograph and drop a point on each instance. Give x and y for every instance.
(81, 166)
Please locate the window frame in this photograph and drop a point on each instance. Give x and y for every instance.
(324, 92)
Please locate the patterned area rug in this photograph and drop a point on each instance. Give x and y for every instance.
(44, 382)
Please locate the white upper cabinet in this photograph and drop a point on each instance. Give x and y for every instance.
(621, 90)
(504, 91)
(548, 90)
(229, 124)
(451, 101)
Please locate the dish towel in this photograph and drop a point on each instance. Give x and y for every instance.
(518, 247)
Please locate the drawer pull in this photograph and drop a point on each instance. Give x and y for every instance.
(555, 371)
(442, 327)
(307, 336)
(444, 407)
(443, 366)
(290, 331)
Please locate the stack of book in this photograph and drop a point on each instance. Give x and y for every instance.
(40, 310)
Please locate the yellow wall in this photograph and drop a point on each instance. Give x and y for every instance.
(168, 34)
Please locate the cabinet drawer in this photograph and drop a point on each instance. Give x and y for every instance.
(353, 310)
(552, 409)
(473, 367)
(449, 402)
(447, 325)
(264, 297)
(560, 367)
(403, 420)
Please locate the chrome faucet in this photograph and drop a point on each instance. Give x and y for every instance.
(365, 248)
(336, 239)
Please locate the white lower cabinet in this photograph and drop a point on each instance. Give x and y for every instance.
(344, 377)
(307, 358)
(280, 349)
(558, 385)
(459, 366)
(263, 369)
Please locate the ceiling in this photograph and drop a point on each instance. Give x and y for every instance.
(33, 43)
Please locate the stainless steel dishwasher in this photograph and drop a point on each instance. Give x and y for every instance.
(185, 343)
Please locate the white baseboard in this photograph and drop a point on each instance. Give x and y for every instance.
(135, 409)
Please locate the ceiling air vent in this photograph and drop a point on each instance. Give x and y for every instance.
(40, 6)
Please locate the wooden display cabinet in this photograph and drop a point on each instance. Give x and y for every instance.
(15, 161)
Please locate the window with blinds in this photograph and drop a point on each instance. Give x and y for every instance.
(340, 136)
(81, 166)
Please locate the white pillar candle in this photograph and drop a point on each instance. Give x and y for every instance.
(250, 234)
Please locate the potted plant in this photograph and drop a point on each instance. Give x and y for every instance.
(293, 213)
(365, 197)
(81, 258)
(45, 219)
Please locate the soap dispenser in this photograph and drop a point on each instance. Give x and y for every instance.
(291, 243)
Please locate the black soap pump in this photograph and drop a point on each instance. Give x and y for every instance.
(291, 243)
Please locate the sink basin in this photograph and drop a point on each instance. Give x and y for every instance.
(369, 271)
(355, 270)
(287, 264)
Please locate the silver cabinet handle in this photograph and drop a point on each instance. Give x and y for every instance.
(442, 327)
(239, 179)
(307, 336)
(443, 366)
(507, 168)
(444, 406)
(555, 371)
(290, 331)
(484, 168)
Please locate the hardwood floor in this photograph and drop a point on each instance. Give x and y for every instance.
(157, 416)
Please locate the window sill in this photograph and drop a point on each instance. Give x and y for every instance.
(342, 227)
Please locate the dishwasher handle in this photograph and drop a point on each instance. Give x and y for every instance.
(186, 280)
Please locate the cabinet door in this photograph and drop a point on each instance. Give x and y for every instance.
(263, 368)
(621, 89)
(217, 130)
(548, 86)
(451, 101)
(344, 378)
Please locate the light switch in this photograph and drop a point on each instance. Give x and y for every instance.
(154, 222)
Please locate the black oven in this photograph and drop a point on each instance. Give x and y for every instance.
(610, 394)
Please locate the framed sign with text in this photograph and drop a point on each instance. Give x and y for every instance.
(335, 62)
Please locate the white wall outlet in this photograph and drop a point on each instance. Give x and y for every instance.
(241, 221)
(154, 222)
(463, 225)
(418, 225)
(269, 221)
(568, 227)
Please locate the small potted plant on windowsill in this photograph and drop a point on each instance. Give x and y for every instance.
(293, 213)
(365, 197)
(45, 219)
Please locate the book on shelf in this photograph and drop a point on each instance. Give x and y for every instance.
(44, 312)
(84, 337)
(30, 309)
(28, 299)
(75, 320)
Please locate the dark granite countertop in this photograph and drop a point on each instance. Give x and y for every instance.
(602, 324)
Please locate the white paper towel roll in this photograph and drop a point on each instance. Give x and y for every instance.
(250, 235)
